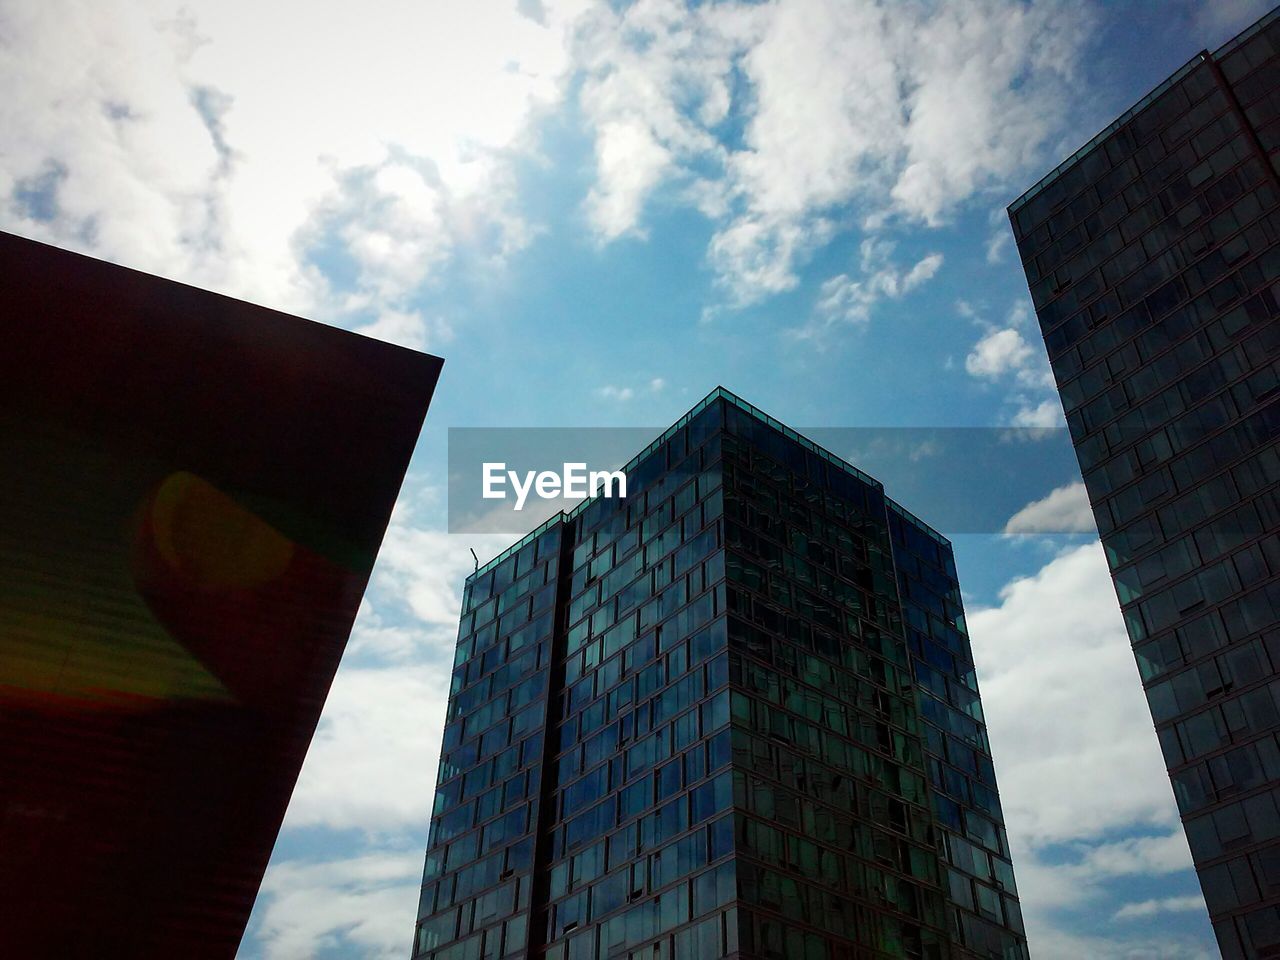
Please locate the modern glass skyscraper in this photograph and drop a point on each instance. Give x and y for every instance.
(1153, 257)
(733, 714)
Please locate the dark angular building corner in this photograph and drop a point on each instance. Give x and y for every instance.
(192, 493)
(1153, 260)
(733, 714)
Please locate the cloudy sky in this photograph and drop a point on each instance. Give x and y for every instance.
(596, 212)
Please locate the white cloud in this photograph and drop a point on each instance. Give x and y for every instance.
(621, 394)
(1222, 19)
(947, 100)
(363, 906)
(424, 569)
(1055, 642)
(981, 96)
(409, 328)
(1149, 908)
(845, 300)
(1001, 234)
(94, 95)
(656, 81)
(998, 353)
(1019, 313)
(372, 762)
(630, 163)
(924, 269)
(377, 638)
(395, 224)
(1137, 856)
(611, 392)
(997, 244)
(1065, 510)
(753, 257)
(1077, 758)
(924, 450)
(1042, 415)
(223, 144)
(1003, 355)
(1002, 352)
(225, 147)
(1067, 946)
(1077, 874)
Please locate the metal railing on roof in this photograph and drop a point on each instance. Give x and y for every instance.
(719, 393)
(1235, 42)
(1111, 128)
(563, 516)
(792, 435)
(524, 541)
(915, 521)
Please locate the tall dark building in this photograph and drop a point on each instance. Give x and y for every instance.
(1153, 257)
(192, 492)
(733, 714)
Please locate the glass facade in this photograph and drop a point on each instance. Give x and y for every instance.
(983, 900)
(692, 723)
(1153, 258)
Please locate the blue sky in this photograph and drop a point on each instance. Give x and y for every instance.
(596, 213)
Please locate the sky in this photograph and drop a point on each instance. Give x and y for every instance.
(597, 212)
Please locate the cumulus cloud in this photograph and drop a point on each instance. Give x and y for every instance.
(1225, 18)
(843, 299)
(409, 328)
(948, 100)
(264, 155)
(226, 150)
(1056, 882)
(997, 243)
(630, 163)
(1149, 908)
(622, 393)
(424, 569)
(656, 82)
(998, 353)
(363, 906)
(754, 258)
(1039, 416)
(1002, 352)
(372, 762)
(1078, 760)
(1057, 641)
(1003, 356)
(379, 638)
(1065, 510)
(1067, 946)
(97, 119)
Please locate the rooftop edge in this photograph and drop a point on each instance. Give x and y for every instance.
(719, 393)
(1240, 38)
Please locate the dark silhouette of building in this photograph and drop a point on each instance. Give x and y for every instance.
(731, 714)
(1153, 258)
(192, 492)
